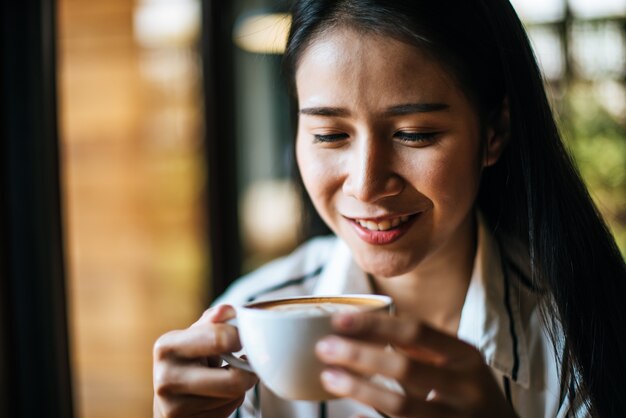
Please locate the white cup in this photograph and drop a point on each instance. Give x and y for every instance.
(279, 338)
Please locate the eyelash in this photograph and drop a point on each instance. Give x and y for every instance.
(415, 136)
(329, 137)
(409, 137)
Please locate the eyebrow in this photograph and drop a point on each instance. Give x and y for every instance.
(409, 108)
(398, 110)
(325, 111)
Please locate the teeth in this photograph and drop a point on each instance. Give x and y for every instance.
(383, 225)
(373, 226)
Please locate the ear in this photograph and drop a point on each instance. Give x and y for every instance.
(498, 134)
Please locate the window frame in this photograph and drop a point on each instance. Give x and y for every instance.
(35, 374)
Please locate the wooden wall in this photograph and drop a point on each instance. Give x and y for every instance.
(133, 177)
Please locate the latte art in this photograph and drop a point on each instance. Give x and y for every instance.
(279, 338)
(315, 309)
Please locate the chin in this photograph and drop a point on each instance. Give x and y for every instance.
(388, 265)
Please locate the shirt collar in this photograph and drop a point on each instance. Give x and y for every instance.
(490, 318)
(342, 275)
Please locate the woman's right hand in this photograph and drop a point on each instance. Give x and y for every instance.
(188, 380)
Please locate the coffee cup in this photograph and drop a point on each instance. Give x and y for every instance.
(279, 337)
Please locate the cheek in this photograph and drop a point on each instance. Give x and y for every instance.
(307, 167)
(449, 179)
(317, 171)
(460, 182)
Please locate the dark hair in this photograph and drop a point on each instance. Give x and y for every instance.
(534, 195)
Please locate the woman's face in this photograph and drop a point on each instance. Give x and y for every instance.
(390, 150)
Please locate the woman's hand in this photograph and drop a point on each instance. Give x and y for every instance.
(441, 376)
(188, 380)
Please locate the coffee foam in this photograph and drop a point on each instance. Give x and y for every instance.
(315, 309)
(320, 305)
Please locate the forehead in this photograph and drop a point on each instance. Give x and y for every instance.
(348, 66)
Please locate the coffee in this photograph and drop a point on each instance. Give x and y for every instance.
(279, 338)
(323, 308)
(319, 306)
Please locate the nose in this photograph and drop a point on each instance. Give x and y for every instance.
(370, 174)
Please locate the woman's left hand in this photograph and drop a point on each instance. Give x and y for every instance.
(441, 376)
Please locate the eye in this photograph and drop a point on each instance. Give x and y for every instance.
(416, 137)
(328, 138)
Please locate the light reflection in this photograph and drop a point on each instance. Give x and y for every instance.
(548, 48)
(539, 11)
(598, 50)
(262, 33)
(160, 23)
(270, 215)
(598, 8)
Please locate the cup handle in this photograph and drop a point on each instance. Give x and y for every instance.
(233, 360)
(237, 362)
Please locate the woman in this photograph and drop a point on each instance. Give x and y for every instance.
(427, 145)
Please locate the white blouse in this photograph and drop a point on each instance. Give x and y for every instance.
(500, 317)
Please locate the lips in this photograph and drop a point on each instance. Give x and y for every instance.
(383, 225)
(382, 231)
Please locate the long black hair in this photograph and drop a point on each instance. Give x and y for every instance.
(533, 195)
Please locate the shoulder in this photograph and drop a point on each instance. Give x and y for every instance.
(301, 266)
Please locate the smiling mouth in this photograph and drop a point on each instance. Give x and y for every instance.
(384, 225)
(379, 231)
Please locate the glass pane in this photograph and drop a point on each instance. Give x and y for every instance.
(599, 50)
(598, 8)
(133, 180)
(270, 204)
(539, 10)
(549, 51)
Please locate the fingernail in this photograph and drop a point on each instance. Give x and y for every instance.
(221, 313)
(344, 321)
(335, 381)
(328, 346)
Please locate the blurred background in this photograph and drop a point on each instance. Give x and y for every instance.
(134, 175)
(175, 160)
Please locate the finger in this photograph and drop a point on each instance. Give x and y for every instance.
(181, 405)
(362, 390)
(228, 409)
(216, 314)
(366, 359)
(202, 381)
(226, 383)
(197, 342)
(188, 405)
(403, 333)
